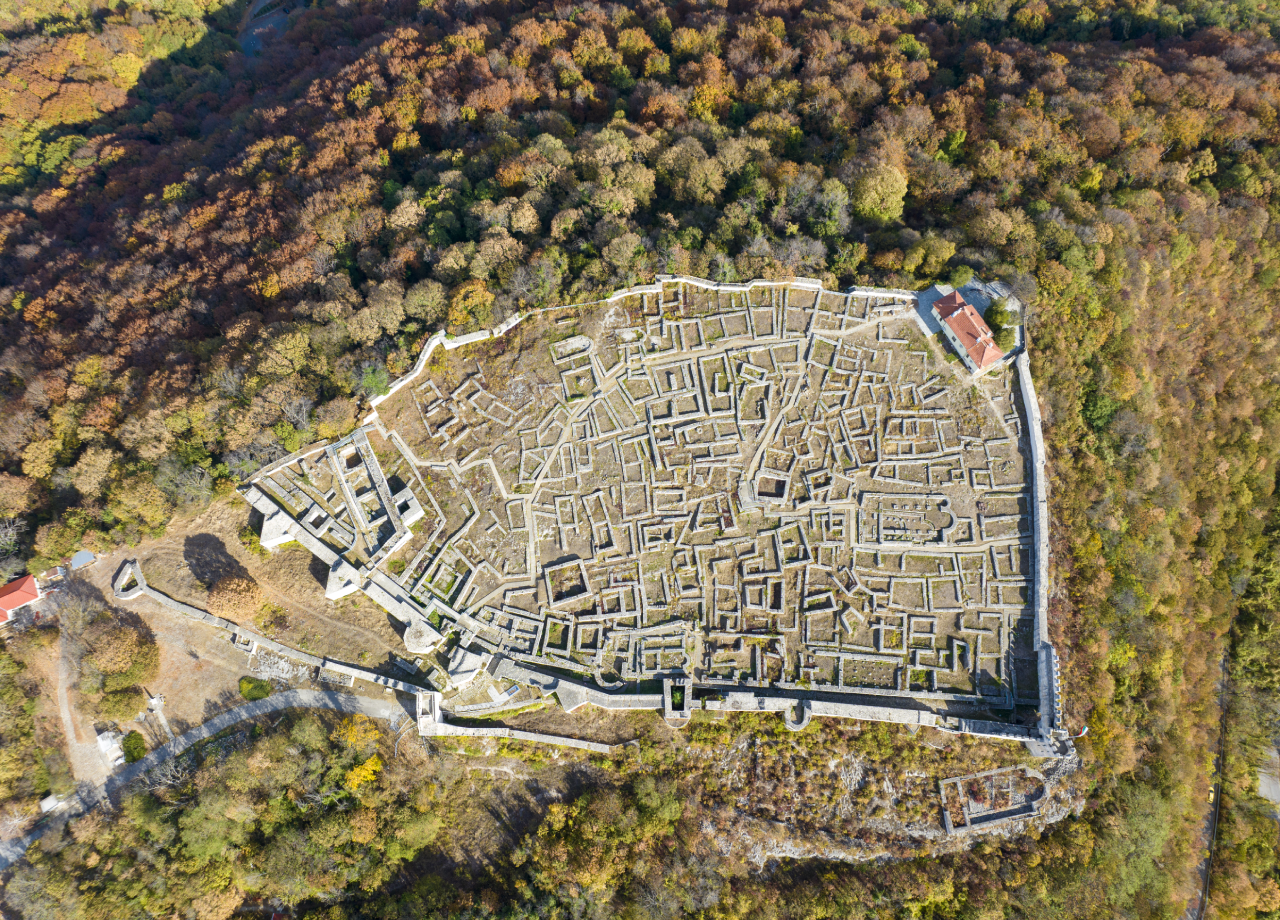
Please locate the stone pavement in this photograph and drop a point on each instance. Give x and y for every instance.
(1269, 779)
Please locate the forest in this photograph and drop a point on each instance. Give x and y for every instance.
(208, 259)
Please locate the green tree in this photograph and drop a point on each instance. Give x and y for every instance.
(375, 381)
(134, 747)
(830, 209)
(1003, 323)
(878, 194)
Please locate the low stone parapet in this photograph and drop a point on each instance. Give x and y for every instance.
(445, 730)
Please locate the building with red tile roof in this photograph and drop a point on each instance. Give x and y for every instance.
(16, 595)
(968, 332)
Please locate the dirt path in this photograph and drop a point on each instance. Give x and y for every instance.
(373, 641)
(1196, 909)
(87, 763)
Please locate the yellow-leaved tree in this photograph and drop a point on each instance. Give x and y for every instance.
(359, 733)
(360, 774)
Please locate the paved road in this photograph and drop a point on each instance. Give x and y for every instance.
(385, 708)
(1269, 778)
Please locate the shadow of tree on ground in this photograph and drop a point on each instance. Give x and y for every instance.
(209, 560)
(224, 700)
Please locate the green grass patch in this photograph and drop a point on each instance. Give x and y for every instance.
(254, 688)
(251, 541)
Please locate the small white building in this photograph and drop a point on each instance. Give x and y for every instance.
(967, 332)
(110, 743)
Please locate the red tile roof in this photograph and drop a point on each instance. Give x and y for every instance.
(970, 328)
(17, 593)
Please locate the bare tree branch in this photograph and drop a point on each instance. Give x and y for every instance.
(297, 411)
(11, 531)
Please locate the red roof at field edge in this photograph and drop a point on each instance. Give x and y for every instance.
(18, 593)
(970, 328)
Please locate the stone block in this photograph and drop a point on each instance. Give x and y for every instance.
(343, 580)
(277, 529)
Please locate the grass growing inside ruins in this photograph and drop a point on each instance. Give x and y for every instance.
(254, 688)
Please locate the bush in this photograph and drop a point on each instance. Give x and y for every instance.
(254, 688)
(134, 746)
(122, 705)
(235, 597)
(272, 617)
(120, 656)
(143, 669)
(250, 540)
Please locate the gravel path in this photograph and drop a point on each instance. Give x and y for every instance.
(92, 795)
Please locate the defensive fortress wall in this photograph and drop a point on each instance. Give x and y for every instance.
(380, 526)
(447, 341)
(1050, 698)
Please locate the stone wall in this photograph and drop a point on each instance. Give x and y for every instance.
(244, 638)
(1050, 699)
(450, 342)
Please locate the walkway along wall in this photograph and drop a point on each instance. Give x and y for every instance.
(1047, 657)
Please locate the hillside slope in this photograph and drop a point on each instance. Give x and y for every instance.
(206, 260)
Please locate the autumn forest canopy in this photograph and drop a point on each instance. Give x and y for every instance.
(209, 259)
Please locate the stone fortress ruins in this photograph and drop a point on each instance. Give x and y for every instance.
(724, 497)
